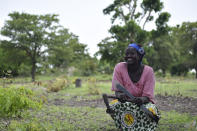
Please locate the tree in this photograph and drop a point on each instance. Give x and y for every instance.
(161, 23)
(113, 51)
(128, 10)
(162, 51)
(127, 19)
(178, 66)
(10, 60)
(31, 34)
(66, 50)
(188, 43)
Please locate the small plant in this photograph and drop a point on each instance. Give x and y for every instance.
(93, 87)
(13, 101)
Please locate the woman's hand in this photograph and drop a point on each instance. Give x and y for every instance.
(141, 100)
(122, 97)
(137, 100)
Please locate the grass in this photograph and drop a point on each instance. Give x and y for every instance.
(172, 121)
(181, 87)
(69, 118)
(63, 117)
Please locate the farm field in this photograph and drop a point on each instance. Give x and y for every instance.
(67, 108)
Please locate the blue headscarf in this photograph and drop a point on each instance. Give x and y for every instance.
(139, 49)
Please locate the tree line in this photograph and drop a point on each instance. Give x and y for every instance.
(168, 49)
(39, 44)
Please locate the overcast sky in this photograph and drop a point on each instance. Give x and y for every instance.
(85, 18)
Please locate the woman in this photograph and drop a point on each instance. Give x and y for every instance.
(139, 81)
(137, 78)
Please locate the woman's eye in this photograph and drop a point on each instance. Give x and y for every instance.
(131, 53)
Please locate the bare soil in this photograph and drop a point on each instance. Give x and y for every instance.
(164, 103)
(177, 103)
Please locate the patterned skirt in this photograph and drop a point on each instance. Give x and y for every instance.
(129, 117)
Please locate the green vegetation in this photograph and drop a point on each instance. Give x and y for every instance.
(173, 121)
(13, 101)
(71, 108)
(69, 118)
(40, 61)
(176, 86)
(168, 49)
(39, 45)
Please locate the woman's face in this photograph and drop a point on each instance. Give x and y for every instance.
(131, 56)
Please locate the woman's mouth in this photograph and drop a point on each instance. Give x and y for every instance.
(130, 60)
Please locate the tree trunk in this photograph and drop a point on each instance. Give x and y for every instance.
(164, 72)
(147, 18)
(33, 70)
(196, 73)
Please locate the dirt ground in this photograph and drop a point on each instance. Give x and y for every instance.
(164, 103)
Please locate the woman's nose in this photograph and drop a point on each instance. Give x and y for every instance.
(129, 55)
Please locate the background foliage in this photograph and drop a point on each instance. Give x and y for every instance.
(38, 44)
(37, 48)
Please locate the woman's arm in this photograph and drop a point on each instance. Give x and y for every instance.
(117, 76)
(149, 85)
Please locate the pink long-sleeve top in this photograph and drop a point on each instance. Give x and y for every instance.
(144, 87)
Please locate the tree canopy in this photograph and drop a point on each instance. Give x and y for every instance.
(38, 43)
(37, 39)
(167, 48)
(129, 14)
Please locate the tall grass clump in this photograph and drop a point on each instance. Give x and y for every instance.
(57, 84)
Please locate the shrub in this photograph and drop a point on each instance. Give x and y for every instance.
(13, 101)
(58, 84)
(179, 69)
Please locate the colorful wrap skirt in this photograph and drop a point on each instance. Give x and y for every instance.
(129, 117)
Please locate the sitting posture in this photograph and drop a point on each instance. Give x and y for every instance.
(137, 78)
(134, 85)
